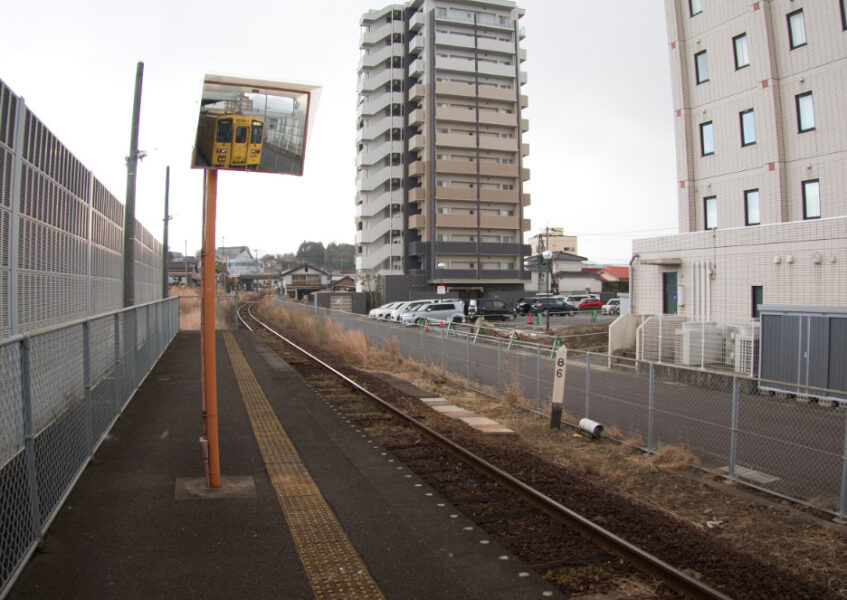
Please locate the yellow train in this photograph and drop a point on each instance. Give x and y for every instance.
(230, 141)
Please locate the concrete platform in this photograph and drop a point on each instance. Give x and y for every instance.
(140, 523)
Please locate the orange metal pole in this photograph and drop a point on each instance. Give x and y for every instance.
(207, 328)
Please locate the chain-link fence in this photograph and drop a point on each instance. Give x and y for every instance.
(60, 392)
(781, 444)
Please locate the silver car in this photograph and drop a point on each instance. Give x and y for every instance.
(448, 311)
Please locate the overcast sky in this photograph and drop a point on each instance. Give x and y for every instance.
(600, 111)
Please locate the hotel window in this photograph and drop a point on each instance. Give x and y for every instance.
(742, 54)
(796, 29)
(812, 199)
(805, 112)
(707, 139)
(710, 210)
(751, 207)
(701, 67)
(695, 7)
(748, 127)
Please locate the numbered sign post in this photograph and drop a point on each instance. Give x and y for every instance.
(558, 388)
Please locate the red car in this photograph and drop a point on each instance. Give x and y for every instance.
(591, 303)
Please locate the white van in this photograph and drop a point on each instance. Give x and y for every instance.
(449, 311)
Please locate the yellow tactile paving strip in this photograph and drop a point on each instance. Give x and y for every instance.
(333, 566)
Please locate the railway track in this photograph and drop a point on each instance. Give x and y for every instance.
(574, 551)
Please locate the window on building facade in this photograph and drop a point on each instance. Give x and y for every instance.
(756, 298)
(707, 139)
(844, 15)
(751, 207)
(748, 127)
(701, 67)
(811, 199)
(805, 112)
(710, 211)
(695, 7)
(739, 48)
(796, 29)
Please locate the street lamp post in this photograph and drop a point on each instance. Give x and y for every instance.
(548, 256)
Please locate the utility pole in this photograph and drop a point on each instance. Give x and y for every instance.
(165, 236)
(129, 209)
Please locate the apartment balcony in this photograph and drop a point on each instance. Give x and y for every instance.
(416, 69)
(458, 221)
(490, 117)
(522, 55)
(452, 40)
(373, 59)
(417, 248)
(458, 115)
(494, 46)
(523, 77)
(417, 222)
(376, 103)
(417, 194)
(417, 21)
(525, 200)
(498, 222)
(454, 140)
(416, 143)
(472, 248)
(377, 128)
(499, 196)
(417, 92)
(377, 179)
(379, 33)
(417, 169)
(524, 149)
(498, 170)
(380, 151)
(458, 65)
(380, 229)
(376, 205)
(524, 101)
(371, 81)
(524, 174)
(376, 255)
(494, 143)
(417, 117)
(416, 45)
(497, 69)
(526, 225)
(460, 167)
(455, 193)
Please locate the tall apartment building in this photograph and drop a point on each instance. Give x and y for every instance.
(440, 171)
(761, 137)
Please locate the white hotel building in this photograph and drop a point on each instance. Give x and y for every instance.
(760, 100)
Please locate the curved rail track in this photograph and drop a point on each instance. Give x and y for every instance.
(409, 448)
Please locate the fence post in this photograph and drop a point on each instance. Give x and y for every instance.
(29, 439)
(733, 440)
(650, 399)
(843, 509)
(468, 358)
(117, 369)
(443, 343)
(703, 345)
(86, 378)
(660, 339)
(538, 377)
(499, 366)
(587, 382)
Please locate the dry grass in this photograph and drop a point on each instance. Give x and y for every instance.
(673, 458)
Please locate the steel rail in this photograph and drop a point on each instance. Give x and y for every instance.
(647, 563)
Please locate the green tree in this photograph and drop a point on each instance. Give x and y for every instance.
(340, 257)
(312, 253)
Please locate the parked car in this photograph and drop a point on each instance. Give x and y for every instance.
(375, 313)
(612, 307)
(408, 306)
(592, 302)
(522, 305)
(556, 305)
(443, 310)
(489, 308)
